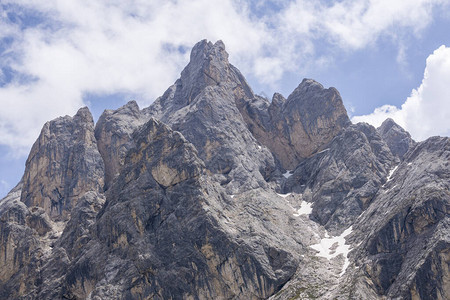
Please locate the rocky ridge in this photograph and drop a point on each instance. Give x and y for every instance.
(214, 192)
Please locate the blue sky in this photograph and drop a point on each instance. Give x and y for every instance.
(388, 58)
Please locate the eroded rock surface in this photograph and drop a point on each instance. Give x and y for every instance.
(405, 252)
(342, 180)
(397, 139)
(202, 106)
(63, 164)
(190, 199)
(113, 134)
(299, 126)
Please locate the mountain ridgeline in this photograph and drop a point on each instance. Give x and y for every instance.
(214, 192)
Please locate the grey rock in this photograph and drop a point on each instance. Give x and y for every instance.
(186, 199)
(405, 251)
(113, 134)
(297, 127)
(158, 236)
(343, 179)
(399, 141)
(202, 106)
(63, 164)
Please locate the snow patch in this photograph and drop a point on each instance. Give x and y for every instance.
(330, 247)
(287, 174)
(391, 172)
(58, 228)
(305, 209)
(232, 196)
(324, 150)
(284, 195)
(391, 188)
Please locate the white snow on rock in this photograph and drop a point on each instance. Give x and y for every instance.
(323, 150)
(284, 195)
(330, 247)
(305, 209)
(287, 174)
(391, 172)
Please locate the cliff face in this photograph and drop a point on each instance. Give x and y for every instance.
(296, 127)
(63, 164)
(406, 253)
(190, 199)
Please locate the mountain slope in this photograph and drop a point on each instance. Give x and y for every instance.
(189, 198)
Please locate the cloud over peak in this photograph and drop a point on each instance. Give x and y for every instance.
(55, 52)
(426, 111)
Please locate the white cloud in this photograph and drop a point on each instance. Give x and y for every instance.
(427, 111)
(97, 46)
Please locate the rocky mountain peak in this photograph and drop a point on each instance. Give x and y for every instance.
(130, 108)
(63, 164)
(84, 115)
(398, 139)
(113, 134)
(308, 84)
(206, 50)
(387, 124)
(208, 66)
(297, 127)
(214, 192)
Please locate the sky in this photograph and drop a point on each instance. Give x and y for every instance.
(387, 58)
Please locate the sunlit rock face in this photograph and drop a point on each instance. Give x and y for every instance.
(63, 164)
(213, 192)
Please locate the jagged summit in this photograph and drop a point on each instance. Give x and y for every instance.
(213, 192)
(205, 50)
(398, 139)
(208, 66)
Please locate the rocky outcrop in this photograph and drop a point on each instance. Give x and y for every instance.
(159, 227)
(398, 140)
(202, 106)
(405, 250)
(190, 199)
(63, 164)
(17, 244)
(343, 179)
(113, 134)
(299, 126)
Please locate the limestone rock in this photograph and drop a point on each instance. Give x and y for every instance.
(405, 250)
(161, 238)
(399, 141)
(113, 134)
(63, 164)
(343, 179)
(297, 127)
(190, 199)
(202, 106)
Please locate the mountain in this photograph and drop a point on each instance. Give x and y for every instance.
(214, 192)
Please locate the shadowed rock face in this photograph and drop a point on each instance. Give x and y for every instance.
(190, 199)
(343, 179)
(398, 140)
(158, 227)
(405, 252)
